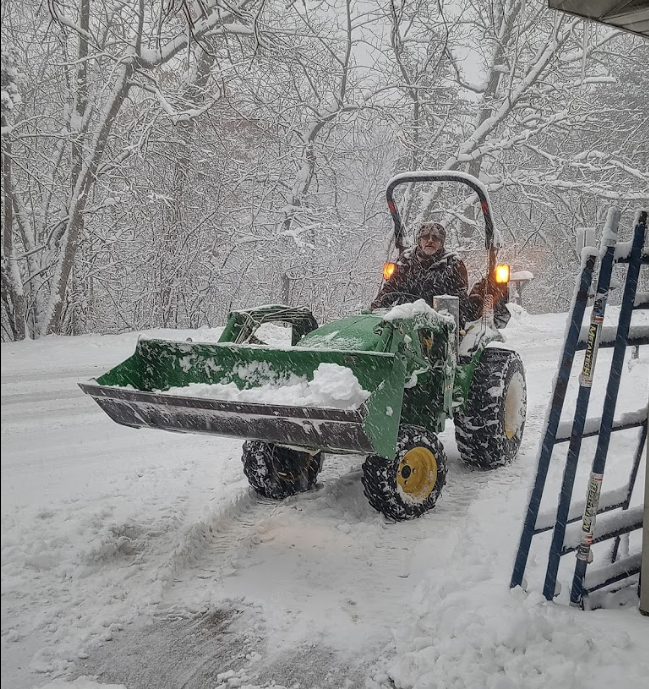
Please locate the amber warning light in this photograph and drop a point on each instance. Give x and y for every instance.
(388, 270)
(502, 273)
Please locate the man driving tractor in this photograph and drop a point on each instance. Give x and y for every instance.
(427, 271)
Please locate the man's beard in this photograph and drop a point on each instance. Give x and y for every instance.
(436, 254)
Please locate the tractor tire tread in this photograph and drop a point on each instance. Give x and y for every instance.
(479, 429)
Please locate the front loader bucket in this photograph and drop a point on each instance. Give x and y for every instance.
(133, 394)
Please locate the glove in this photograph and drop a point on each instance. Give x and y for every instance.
(497, 289)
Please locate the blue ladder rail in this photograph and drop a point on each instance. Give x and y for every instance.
(634, 473)
(558, 397)
(609, 239)
(612, 526)
(619, 498)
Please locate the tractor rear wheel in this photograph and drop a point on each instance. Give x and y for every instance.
(490, 429)
(276, 472)
(409, 484)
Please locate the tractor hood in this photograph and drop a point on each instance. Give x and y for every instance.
(356, 333)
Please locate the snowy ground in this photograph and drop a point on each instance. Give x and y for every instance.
(142, 559)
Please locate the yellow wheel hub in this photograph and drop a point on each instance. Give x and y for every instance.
(417, 473)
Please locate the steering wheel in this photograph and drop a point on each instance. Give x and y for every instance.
(397, 298)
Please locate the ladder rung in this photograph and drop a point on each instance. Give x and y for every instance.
(623, 249)
(638, 335)
(609, 574)
(592, 426)
(607, 501)
(641, 300)
(609, 526)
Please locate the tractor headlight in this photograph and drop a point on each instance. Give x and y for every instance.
(388, 270)
(502, 273)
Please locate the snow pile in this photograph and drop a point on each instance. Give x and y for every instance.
(521, 275)
(142, 558)
(204, 334)
(476, 634)
(417, 308)
(333, 340)
(333, 386)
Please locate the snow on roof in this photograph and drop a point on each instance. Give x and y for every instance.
(521, 275)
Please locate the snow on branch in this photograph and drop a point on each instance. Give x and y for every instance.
(576, 162)
(533, 73)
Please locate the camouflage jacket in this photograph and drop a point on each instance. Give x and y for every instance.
(418, 276)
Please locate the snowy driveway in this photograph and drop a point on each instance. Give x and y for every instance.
(142, 558)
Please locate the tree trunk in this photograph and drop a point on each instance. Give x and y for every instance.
(13, 294)
(79, 198)
(173, 225)
(286, 289)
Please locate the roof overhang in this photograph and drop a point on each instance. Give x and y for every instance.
(629, 15)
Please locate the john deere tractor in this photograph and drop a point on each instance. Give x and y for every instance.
(412, 365)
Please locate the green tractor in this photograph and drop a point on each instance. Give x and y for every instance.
(380, 384)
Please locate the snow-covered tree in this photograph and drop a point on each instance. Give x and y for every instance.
(13, 298)
(106, 55)
(169, 161)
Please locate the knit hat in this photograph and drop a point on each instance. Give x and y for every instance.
(433, 228)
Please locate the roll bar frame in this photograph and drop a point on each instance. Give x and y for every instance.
(443, 176)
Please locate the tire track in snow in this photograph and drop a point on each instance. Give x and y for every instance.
(194, 651)
(285, 547)
(208, 549)
(213, 544)
(30, 398)
(323, 549)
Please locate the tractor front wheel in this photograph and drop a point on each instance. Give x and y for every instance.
(409, 484)
(490, 429)
(277, 472)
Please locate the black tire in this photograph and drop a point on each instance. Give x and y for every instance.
(490, 429)
(410, 484)
(277, 472)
